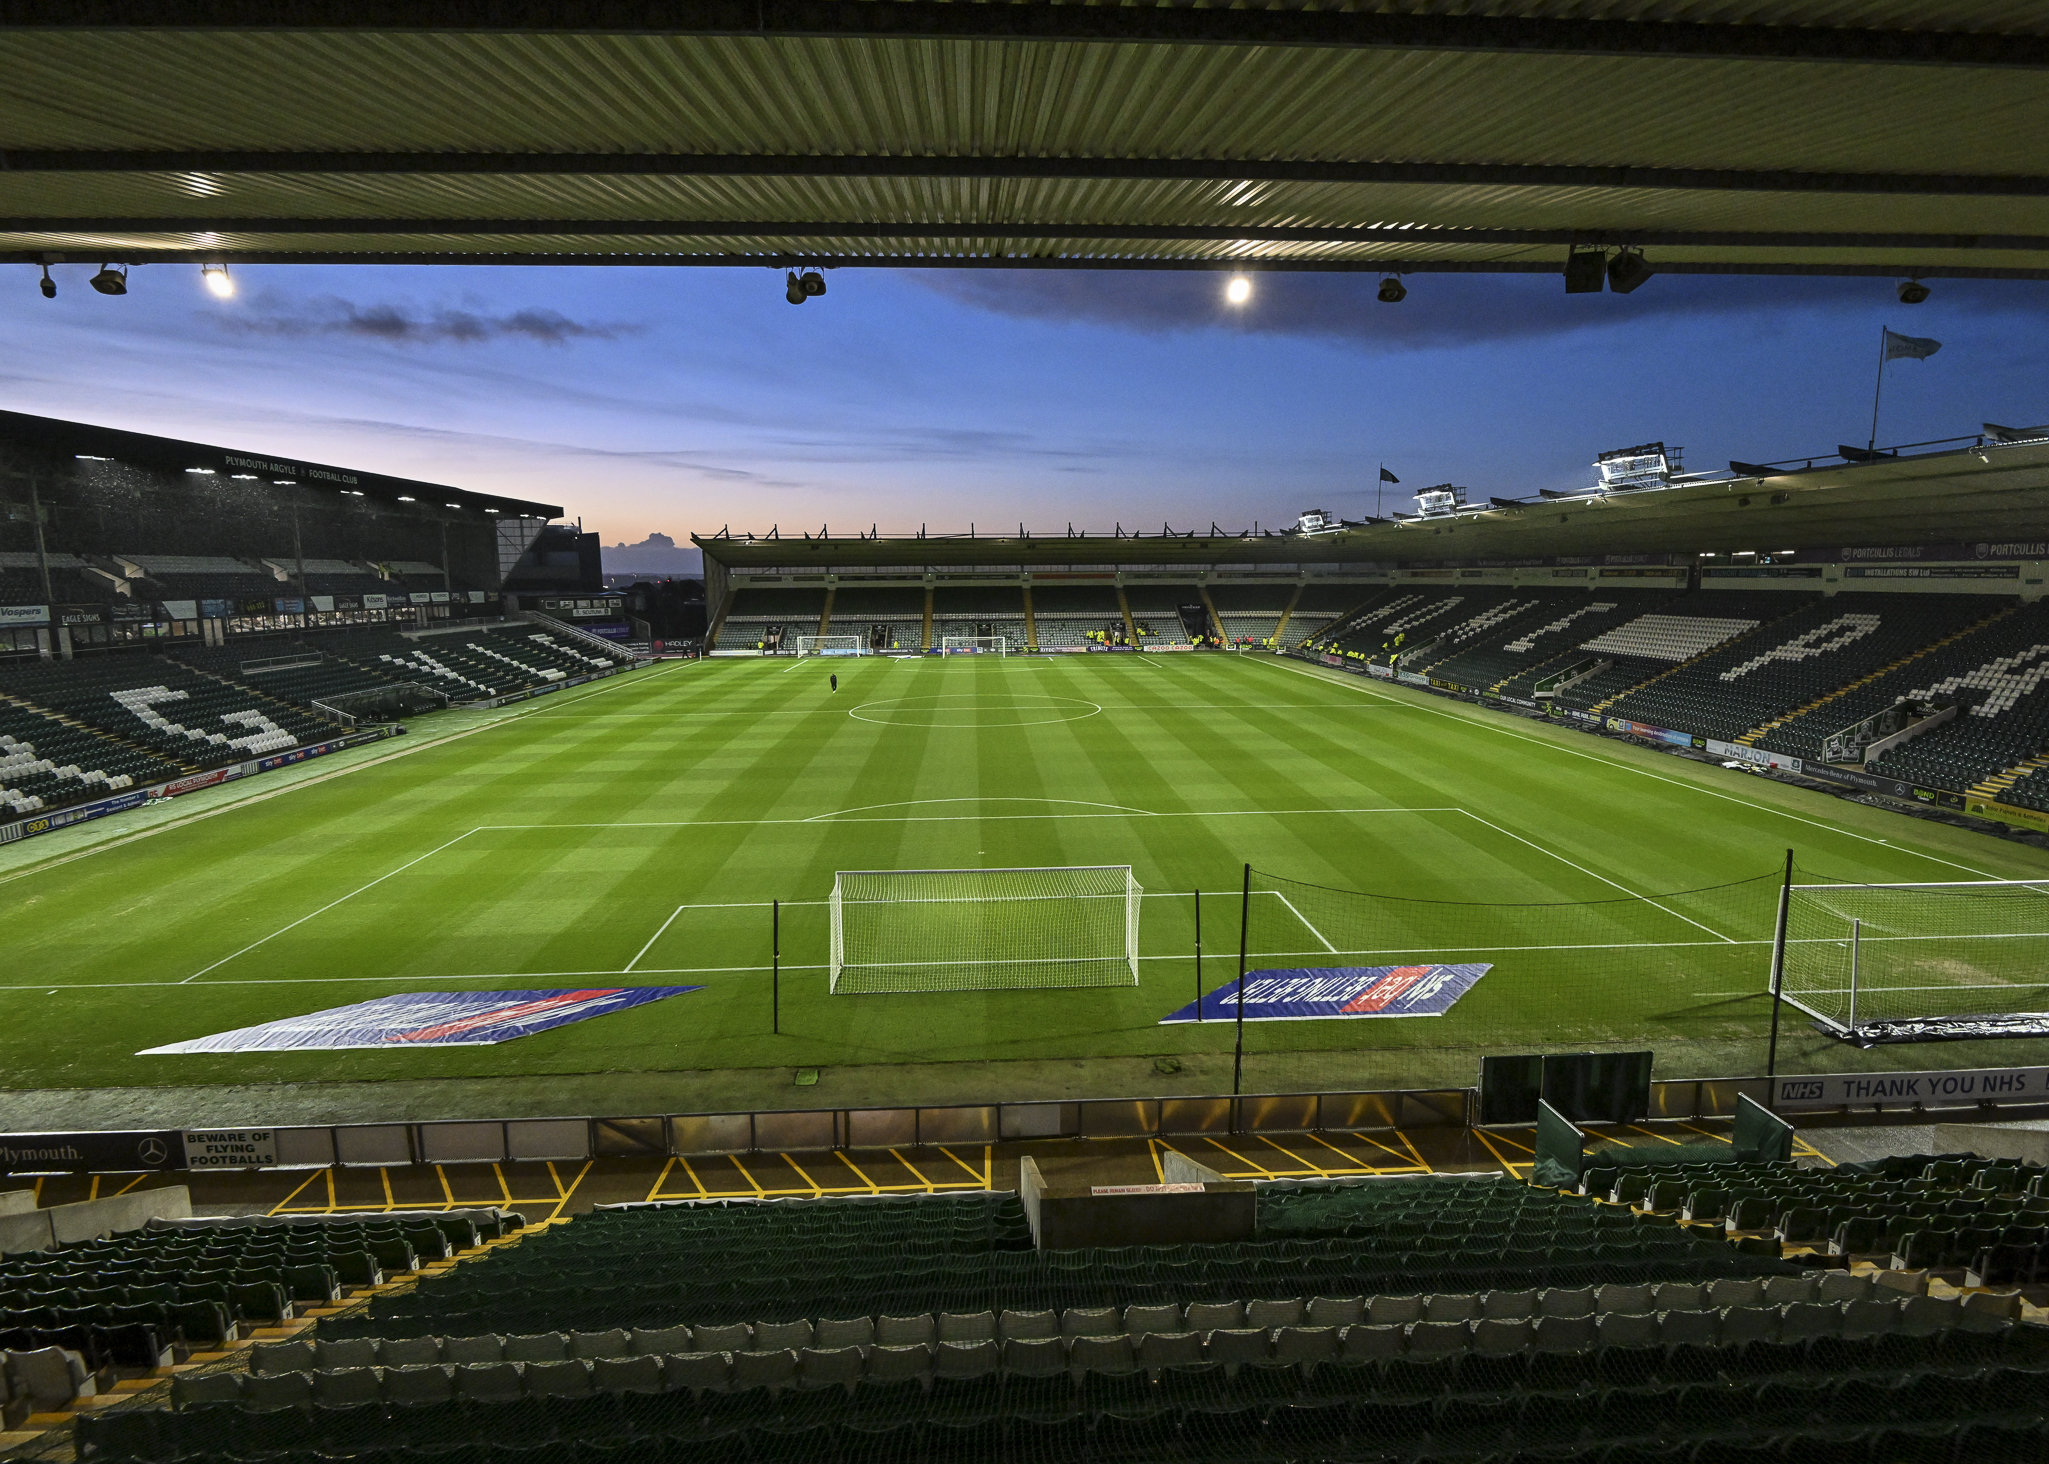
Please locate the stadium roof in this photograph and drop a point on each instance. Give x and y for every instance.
(1883, 137)
(52, 435)
(1995, 492)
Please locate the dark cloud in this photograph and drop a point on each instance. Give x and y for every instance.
(1441, 310)
(408, 326)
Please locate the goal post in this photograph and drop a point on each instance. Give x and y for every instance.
(1878, 963)
(829, 645)
(909, 930)
(974, 645)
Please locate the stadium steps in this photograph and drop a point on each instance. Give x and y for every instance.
(264, 697)
(1281, 629)
(825, 615)
(100, 732)
(1999, 782)
(1130, 625)
(1735, 640)
(1749, 739)
(1216, 621)
(926, 643)
(1031, 621)
(718, 621)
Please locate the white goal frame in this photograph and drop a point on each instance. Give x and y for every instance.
(1838, 967)
(974, 645)
(1031, 928)
(831, 645)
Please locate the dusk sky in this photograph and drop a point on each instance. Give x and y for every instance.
(681, 399)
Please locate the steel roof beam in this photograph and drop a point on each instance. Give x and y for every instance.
(1196, 170)
(924, 20)
(214, 254)
(954, 229)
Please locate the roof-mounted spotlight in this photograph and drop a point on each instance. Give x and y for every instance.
(1584, 271)
(813, 283)
(1392, 291)
(1912, 292)
(48, 286)
(1239, 290)
(110, 281)
(795, 292)
(216, 278)
(1627, 270)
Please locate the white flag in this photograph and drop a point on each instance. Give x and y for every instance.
(1918, 348)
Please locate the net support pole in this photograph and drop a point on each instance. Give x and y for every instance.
(1771, 1056)
(1856, 949)
(1198, 955)
(1238, 1054)
(775, 966)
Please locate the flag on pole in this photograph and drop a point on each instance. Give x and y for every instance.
(1916, 348)
(1387, 477)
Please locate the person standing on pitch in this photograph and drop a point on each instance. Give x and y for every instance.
(835, 681)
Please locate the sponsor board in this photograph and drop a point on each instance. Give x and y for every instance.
(2006, 813)
(426, 1019)
(181, 609)
(24, 614)
(1303, 994)
(376, 602)
(1412, 678)
(1517, 701)
(1756, 756)
(230, 1148)
(1379, 672)
(1145, 1189)
(1954, 1088)
(105, 1153)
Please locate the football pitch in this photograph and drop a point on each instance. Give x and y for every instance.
(635, 833)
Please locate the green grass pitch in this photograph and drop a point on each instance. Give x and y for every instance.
(634, 832)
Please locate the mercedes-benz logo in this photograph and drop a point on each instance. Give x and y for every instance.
(152, 1151)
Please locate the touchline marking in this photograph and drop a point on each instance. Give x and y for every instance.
(652, 939)
(1621, 766)
(329, 905)
(993, 798)
(263, 794)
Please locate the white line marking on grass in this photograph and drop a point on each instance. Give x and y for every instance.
(1621, 766)
(1303, 918)
(329, 906)
(1616, 884)
(652, 939)
(750, 823)
(993, 798)
(260, 794)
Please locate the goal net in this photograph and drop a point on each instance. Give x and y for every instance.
(1915, 962)
(974, 645)
(828, 645)
(984, 929)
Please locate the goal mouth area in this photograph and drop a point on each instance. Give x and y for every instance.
(1976, 1028)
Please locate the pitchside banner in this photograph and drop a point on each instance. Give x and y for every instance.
(1309, 993)
(1954, 1088)
(427, 1019)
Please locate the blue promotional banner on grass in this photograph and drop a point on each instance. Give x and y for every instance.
(428, 1019)
(1309, 993)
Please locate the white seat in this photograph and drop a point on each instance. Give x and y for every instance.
(1032, 1357)
(636, 1374)
(567, 1379)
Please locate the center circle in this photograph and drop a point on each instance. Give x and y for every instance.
(966, 709)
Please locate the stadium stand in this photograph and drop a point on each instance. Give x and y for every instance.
(1251, 612)
(1676, 633)
(1824, 645)
(959, 610)
(2003, 718)
(469, 665)
(182, 715)
(1413, 1319)
(1997, 630)
(46, 763)
(1067, 616)
(885, 618)
(1318, 609)
(754, 611)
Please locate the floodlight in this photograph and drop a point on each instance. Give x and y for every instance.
(1627, 270)
(1393, 291)
(813, 283)
(1583, 271)
(403, 499)
(1239, 290)
(48, 286)
(794, 293)
(1912, 292)
(216, 277)
(111, 281)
